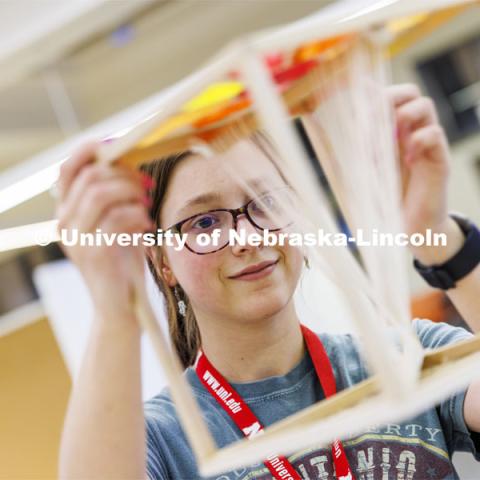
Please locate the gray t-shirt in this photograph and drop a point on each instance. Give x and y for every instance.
(420, 448)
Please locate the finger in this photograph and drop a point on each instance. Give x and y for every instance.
(417, 113)
(102, 198)
(97, 189)
(430, 142)
(71, 167)
(403, 93)
(86, 179)
(89, 175)
(126, 218)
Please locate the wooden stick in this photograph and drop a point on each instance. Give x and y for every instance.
(449, 353)
(189, 414)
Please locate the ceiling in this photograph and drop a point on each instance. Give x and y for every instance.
(113, 64)
(99, 58)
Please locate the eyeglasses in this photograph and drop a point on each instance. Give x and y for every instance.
(267, 212)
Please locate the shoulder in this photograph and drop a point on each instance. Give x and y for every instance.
(161, 419)
(345, 350)
(166, 441)
(161, 415)
(435, 335)
(160, 407)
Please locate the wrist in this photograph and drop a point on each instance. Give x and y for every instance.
(112, 320)
(122, 331)
(453, 264)
(439, 254)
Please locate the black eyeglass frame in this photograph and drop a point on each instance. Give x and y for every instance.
(235, 212)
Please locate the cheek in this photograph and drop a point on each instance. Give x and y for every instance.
(197, 274)
(293, 261)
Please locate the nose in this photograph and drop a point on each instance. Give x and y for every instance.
(244, 228)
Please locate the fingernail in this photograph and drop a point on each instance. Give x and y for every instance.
(147, 201)
(147, 181)
(397, 132)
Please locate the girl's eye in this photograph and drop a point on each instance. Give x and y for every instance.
(267, 202)
(204, 222)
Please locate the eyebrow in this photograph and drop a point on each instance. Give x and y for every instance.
(205, 198)
(200, 200)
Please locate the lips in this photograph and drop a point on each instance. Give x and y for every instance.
(254, 268)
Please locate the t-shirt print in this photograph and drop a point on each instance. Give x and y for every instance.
(408, 451)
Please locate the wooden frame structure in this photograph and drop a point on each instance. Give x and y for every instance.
(374, 398)
(172, 129)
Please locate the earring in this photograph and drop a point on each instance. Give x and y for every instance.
(307, 263)
(182, 307)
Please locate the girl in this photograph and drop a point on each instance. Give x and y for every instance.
(235, 305)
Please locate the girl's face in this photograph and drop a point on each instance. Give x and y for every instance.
(209, 280)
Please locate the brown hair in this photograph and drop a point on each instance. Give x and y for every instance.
(183, 330)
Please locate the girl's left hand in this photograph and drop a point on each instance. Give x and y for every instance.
(425, 155)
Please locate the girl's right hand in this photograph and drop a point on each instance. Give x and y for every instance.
(113, 199)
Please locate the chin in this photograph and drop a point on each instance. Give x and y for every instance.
(264, 304)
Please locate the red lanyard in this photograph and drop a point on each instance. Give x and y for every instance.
(249, 424)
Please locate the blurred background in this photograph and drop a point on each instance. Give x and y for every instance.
(72, 71)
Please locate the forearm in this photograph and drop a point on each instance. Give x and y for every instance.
(466, 294)
(104, 433)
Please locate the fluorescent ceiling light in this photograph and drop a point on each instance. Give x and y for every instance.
(41, 234)
(41, 181)
(29, 187)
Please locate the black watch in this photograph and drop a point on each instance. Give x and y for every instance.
(460, 265)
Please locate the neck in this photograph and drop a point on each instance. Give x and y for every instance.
(249, 351)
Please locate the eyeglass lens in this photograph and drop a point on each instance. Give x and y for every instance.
(268, 212)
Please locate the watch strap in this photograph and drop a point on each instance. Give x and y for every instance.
(446, 275)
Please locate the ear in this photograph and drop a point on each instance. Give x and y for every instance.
(162, 267)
